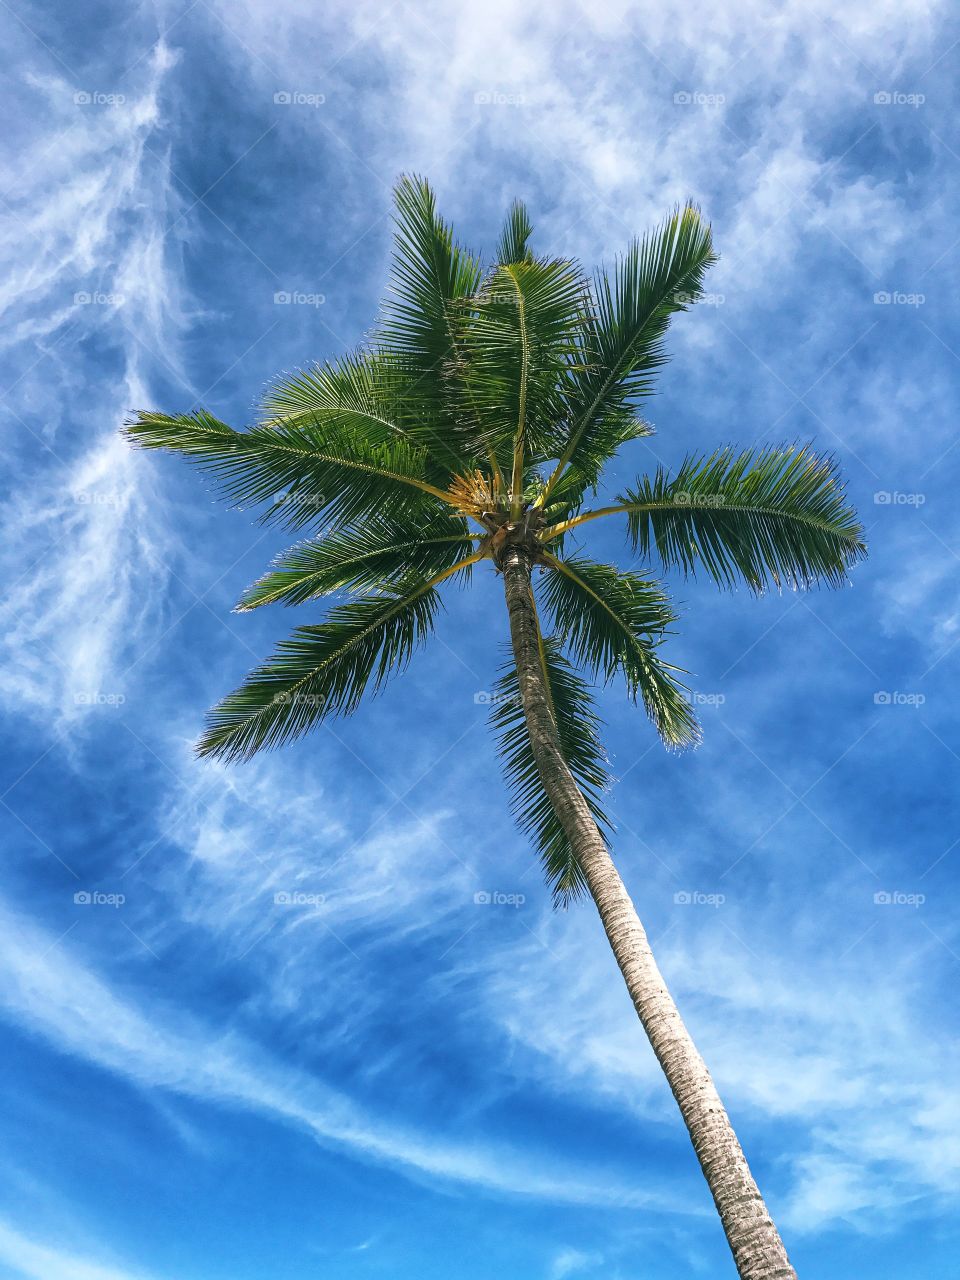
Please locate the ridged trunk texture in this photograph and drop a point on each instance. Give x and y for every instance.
(757, 1249)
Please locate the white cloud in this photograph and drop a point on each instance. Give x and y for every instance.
(35, 1261)
(812, 1043)
(569, 1261)
(85, 260)
(48, 991)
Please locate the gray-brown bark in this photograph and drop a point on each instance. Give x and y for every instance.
(757, 1249)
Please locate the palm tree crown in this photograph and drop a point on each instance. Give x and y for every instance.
(478, 418)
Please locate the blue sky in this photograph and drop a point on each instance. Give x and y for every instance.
(385, 1078)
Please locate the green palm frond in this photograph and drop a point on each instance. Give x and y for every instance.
(578, 728)
(323, 670)
(569, 492)
(513, 245)
(370, 395)
(615, 622)
(662, 273)
(354, 391)
(434, 282)
(779, 517)
(519, 339)
(431, 273)
(568, 496)
(370, 556)
(302, 470)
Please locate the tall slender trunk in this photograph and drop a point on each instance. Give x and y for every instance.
(757, 1249)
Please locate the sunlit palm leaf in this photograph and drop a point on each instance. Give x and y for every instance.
(778, 517)
(615, 622)
(302, 470)
(375, 554)
(322, 671)
(430, 274)
(661, 274)
(519, 339)
(513, 245)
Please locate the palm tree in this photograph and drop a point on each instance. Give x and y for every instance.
(472, 428)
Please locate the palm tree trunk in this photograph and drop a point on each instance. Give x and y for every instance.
(757, 1249)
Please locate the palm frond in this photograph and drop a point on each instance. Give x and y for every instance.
(304, 471)
(513, 245)
(615, 622)
(430, 274)
(518, 340)
(578, 729)
(778, 517)
(353, 391)
(323, 670)
(569, 492)
(370, 395)
(661, 274)
(372, 555)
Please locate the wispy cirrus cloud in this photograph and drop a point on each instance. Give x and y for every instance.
(49, 992)
(872, 1123)
(87, 265)
(28, 1258)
